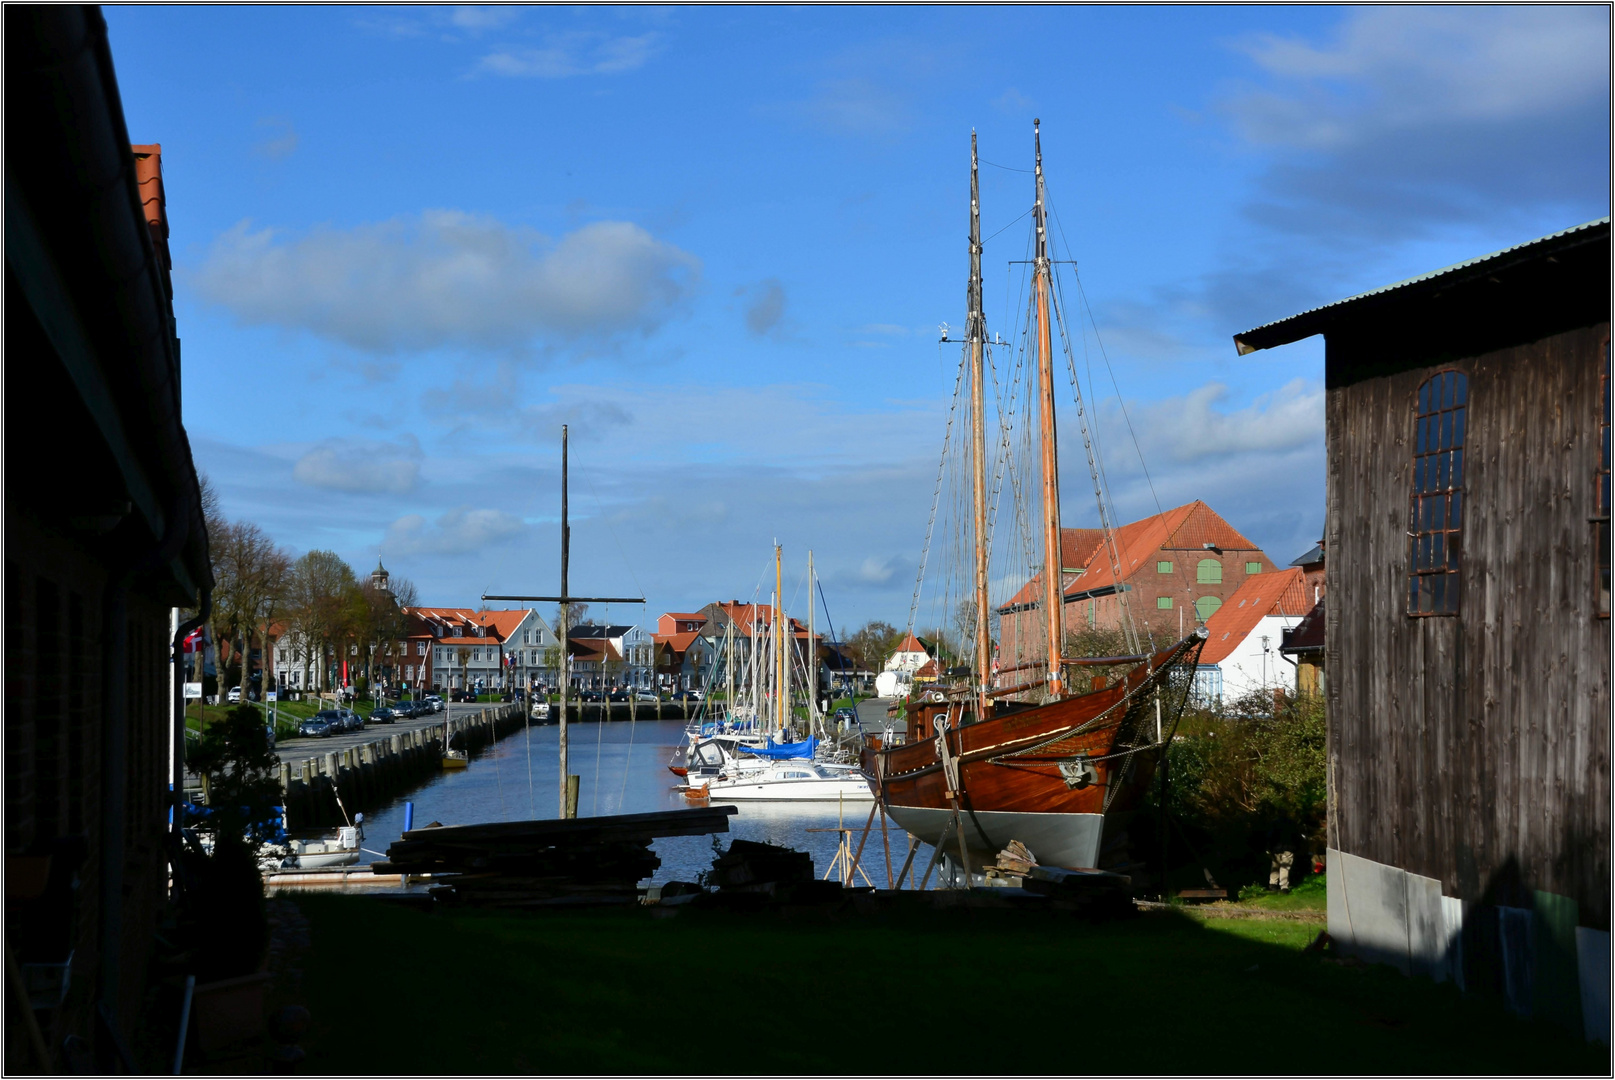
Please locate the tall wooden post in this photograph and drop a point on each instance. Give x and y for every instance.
(976, 333)
(569, 806)
(1053, 584)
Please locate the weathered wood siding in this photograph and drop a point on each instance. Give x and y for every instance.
(1475, 748)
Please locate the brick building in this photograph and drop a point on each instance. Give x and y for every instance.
(101, 545)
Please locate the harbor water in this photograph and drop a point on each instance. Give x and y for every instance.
(623, 770)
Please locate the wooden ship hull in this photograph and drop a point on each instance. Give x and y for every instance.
(1049, 776)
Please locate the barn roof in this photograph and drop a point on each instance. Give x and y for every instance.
(1320, 319)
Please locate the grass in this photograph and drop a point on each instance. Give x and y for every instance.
(926, 992)
(1312, 894)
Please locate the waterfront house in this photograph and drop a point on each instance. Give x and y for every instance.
(1467, 625)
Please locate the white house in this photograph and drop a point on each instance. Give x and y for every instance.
(911, 655)
(1242, 652)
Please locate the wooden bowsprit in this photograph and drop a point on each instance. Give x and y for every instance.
(569, 783)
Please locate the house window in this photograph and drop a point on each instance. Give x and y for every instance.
(1207, 688)
(1209, 572)
(1164, 603)
(1435, 525)
(1601, 523)
(1207, 606)
(1163, 567)
(1253, 568)
(420, 648)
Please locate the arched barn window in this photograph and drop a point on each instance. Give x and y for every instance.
(1435, 525)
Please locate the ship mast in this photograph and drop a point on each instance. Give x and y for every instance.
(976, 332)
(780, 668)
(1053, 583)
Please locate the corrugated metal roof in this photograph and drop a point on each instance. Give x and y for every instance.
(1456, 268)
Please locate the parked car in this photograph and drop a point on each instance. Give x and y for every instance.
(687, 695)
(234, 696)
(383, 715)
(851, 715)
(617, 695)
(435, 702)
(646, 695)
(315, 727)
(592, 695)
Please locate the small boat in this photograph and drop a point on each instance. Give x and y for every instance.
(455, 759)
(323, 853)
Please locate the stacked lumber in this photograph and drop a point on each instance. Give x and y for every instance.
(597, 860)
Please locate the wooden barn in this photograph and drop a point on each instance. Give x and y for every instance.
(1467, 633)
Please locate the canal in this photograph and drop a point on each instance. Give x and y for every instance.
(623, 770)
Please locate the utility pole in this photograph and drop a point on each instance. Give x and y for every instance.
(569, 783)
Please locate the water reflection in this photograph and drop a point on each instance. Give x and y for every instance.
(624, 771)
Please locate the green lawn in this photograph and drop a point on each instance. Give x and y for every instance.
(927, 992)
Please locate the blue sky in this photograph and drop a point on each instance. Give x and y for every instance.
(410, 243)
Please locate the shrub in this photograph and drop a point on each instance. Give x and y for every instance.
(241, 774)
(1249, 777)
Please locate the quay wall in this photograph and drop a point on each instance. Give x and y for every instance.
(367, 776)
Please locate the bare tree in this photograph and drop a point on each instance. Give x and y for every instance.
(249, 572)
(575, 613)
(321, 588)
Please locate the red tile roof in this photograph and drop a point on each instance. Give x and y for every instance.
(679, 643)
(153, 200)
(1282, 592)
(1187, 527)
(912, 644)
(1077, 546)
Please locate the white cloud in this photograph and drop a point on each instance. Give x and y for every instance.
(1193, 427)
(578, 52)
(1411, 66)
(458, 532)
(447, 278)
(1415, 117)
(352, 466)
(476, 17)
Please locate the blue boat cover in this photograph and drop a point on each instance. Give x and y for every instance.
(776, 751)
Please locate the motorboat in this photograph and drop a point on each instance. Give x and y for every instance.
(340, 848)
(790, 780)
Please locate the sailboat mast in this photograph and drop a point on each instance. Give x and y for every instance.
(976, 332)
(1053, 582)
(812, 659)
(779, 640)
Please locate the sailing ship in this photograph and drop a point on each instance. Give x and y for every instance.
(1034, 752)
